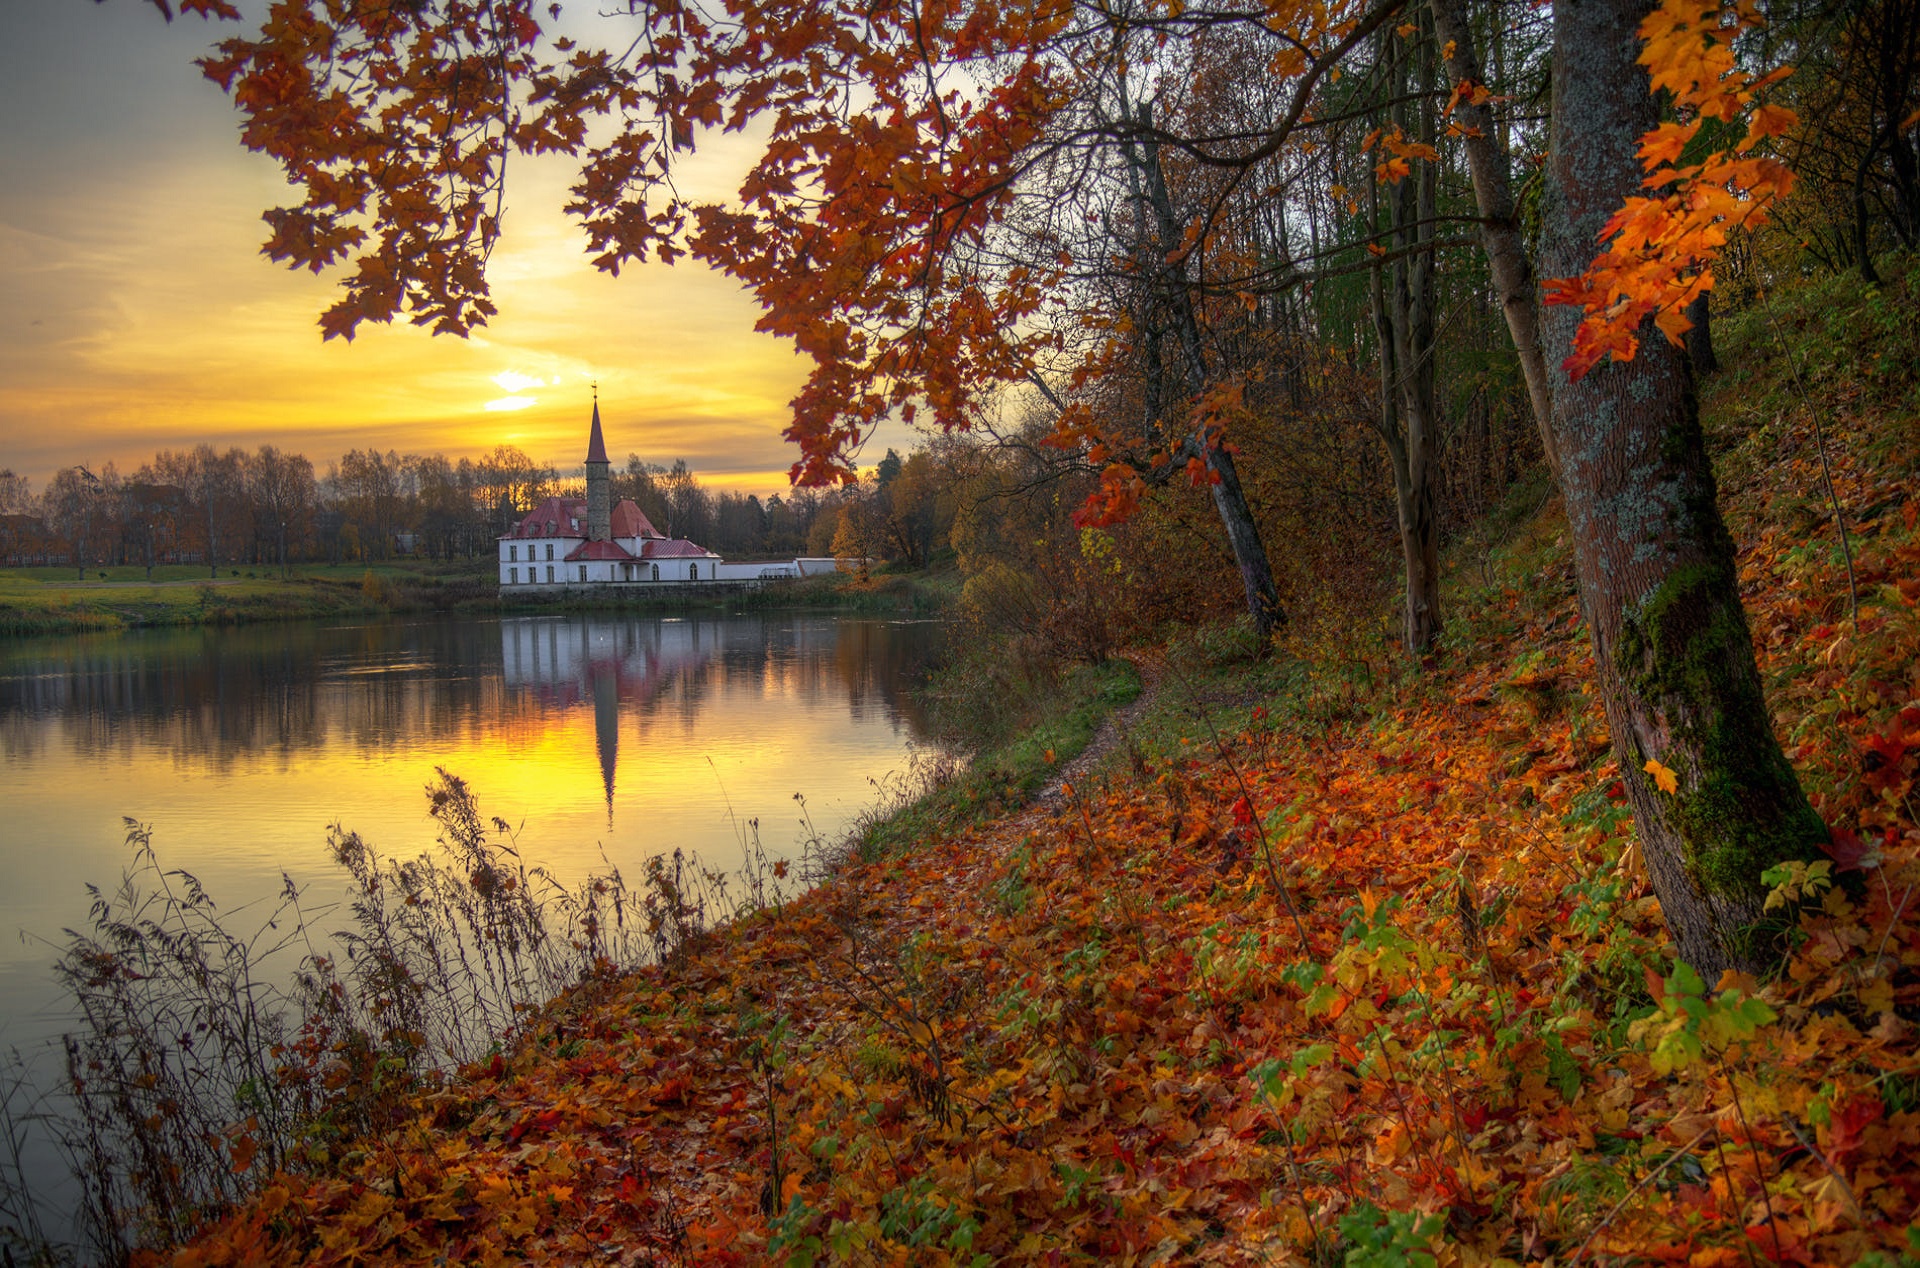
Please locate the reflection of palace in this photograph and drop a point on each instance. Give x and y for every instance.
(614, 662)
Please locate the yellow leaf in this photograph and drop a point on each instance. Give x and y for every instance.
(1663, 777)
(1405, 29)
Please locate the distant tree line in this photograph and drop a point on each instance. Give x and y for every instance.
(216, 508)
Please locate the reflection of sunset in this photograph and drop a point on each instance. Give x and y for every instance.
(241, 746)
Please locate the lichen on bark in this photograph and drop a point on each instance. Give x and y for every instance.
(1687, 651)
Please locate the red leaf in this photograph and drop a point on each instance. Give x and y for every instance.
(1848, 852)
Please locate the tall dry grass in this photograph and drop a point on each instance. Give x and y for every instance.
(203, 1059)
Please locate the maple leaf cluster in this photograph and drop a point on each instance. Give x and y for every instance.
(397, 121)
(1660, 247)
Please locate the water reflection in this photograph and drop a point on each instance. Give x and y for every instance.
(614, 736)
(220, 697)
(662, 673)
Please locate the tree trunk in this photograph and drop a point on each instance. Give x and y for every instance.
(1413, 302)
(1403, 317)
(1229, 499)
(1655, 562)
(1862, 243)
(1700, 337)
(1507, 259)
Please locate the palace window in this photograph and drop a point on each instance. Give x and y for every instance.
(549, 572)
(549, 553)
(693, 572)
(656, 572)
(513, 576)
(583, 572)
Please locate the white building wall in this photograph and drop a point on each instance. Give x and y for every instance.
(524, 563)
(767, 571)
(526, 560)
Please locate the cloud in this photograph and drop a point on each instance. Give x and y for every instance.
(514, 381)
(511, 403)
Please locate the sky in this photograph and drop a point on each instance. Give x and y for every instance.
(136, 312)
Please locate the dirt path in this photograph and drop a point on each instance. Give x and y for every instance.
(1105, 741)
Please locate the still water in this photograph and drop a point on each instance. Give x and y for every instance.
(621, 736)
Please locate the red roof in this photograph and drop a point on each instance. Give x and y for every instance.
(596, 444)
(598, 550)
(674, 548)
(555, 517)
(629, 520)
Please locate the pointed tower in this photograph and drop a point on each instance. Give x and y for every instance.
(599, 505)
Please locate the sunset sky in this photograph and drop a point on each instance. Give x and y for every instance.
(136, 312)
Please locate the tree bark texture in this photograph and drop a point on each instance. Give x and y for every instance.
(1508, 261)
(1655, 561)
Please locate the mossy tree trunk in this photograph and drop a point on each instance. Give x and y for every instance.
(1655, 561)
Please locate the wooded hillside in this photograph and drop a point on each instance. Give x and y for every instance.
(1331, 959)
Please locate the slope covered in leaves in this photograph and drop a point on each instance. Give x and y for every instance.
(1346, 964)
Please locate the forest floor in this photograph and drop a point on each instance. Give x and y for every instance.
(1322, 959)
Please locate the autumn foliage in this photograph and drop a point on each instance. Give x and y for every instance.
(1708, 176)
(1363, 968)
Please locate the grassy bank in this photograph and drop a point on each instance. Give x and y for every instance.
(52, 601)
(905, 593)
(1005, 777)
(1340, 961)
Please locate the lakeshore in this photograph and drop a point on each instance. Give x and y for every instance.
(37, 601)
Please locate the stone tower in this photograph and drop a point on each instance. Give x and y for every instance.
(599, 505)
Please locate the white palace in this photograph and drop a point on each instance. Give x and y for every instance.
(572, 544)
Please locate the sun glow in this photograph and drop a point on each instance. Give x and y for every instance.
(135, 324)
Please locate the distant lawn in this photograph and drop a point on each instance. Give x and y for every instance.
(62, 576)
(53, 600)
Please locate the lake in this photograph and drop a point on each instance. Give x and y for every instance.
(615, 735)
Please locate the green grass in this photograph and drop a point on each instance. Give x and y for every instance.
(53, 601)
(1009, 775)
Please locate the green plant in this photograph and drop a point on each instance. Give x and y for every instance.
(1390, 1239)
